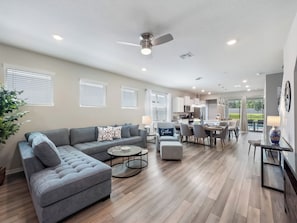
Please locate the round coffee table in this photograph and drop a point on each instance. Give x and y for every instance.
(123, 170)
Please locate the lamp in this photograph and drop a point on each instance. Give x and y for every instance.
(274, 133)
(146, 47)
(146, 121)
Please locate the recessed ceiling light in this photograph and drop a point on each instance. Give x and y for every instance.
(244, 81)
(194, 87)
(57, 37)
(247, 86)
(209, 92)
(237, 85)
(231, 42)
(143, 69)
(202, 90)
(249, 89)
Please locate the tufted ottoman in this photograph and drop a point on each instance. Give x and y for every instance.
(171, 150)
(55, 191)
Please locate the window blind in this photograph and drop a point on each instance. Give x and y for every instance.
(129, 98)
(92, 94)
(37, 87)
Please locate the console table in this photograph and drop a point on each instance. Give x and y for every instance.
(267, 145)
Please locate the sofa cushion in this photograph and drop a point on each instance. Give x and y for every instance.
(134, 130)
(45, 150)
(76, 173)
(95, 147)
(125, 131)
(80, 135)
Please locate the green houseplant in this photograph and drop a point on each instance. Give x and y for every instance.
(10, 114)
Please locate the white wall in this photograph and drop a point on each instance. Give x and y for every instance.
(66, 112)
(288, 118)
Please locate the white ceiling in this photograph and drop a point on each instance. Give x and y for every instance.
(91, 29)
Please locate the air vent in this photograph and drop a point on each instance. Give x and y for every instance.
(186, 55)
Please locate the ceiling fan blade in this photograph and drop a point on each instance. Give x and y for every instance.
(162, 39)
(127, 43)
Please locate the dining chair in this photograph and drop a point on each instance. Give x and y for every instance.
(222, 135)
(185, 131)
(199, 133)
(233, 127)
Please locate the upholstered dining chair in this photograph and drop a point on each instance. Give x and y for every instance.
(222, 135)
(199, 133)
(165, 132)
(185, 131)
(233, 128)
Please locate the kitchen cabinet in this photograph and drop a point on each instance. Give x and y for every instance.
(178, 104)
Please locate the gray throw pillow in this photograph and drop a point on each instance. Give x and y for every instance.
(125, 131)
(46, 151)
(134, 130)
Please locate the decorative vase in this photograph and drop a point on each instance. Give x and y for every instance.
(274, 135)
(2, 174)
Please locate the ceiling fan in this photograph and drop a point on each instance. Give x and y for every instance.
(147, 40)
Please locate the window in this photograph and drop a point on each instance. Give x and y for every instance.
(37, 87)
(129, 97)
(234, 108)
(92, 93)
(255, 114)
(159, 106)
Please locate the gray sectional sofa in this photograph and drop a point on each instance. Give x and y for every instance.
(64, 168)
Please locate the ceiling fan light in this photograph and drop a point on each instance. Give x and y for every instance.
(146, 50)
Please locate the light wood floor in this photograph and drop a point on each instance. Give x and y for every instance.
(206, 186)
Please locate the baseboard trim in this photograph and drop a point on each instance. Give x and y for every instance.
(13, 171)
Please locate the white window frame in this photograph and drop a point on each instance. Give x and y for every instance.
(157, 105)
(133, 91)
(27, 72)
(92, 83)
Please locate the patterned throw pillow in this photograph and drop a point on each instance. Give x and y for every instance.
(117, 132)
(107, 134)
(100, 133)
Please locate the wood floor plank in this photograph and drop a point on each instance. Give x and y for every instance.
(207, 185)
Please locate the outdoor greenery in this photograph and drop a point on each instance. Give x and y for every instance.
(255, 104)
(10, 113)
(254, 117)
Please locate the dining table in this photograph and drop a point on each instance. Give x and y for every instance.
(212, 130)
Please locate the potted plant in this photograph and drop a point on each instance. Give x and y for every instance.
(10, 113)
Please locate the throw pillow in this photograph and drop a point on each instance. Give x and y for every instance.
(125, 131)
(134, 130)
(107, 134)
(45, 150)
(117, 132)
(100, 133)
(32, 136)
(166, 131)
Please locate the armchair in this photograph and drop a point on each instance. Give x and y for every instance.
(160, 136)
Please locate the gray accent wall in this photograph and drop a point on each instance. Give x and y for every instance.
(272, 94)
